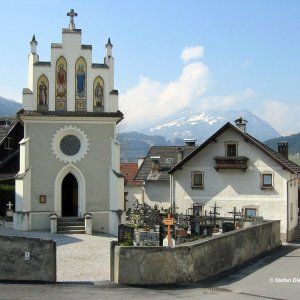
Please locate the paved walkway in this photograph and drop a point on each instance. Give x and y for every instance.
(80, 257)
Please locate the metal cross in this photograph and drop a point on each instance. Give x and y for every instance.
(72, 14)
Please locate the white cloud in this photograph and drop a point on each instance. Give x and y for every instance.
(224, 102)
(247, 63)
(190, 53)
(281, 116)
(151, 100)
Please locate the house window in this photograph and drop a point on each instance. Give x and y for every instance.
(250, 212)
(266, 181)
(8, 143)
(197, 180)
(231, 149)
(197, 209)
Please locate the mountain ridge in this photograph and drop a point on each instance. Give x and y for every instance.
(193, 123)
(9, 107)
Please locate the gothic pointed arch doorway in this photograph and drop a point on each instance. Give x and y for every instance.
(69, 196)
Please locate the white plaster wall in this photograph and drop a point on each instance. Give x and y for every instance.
(95, 166)
(134, 193)
(233, 188)
(157, 192)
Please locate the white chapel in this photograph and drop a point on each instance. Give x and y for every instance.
(69, 157)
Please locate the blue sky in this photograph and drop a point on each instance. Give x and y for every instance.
(213, 55)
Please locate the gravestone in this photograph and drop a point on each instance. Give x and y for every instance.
(125, 233)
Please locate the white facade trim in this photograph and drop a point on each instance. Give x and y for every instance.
(81, 189)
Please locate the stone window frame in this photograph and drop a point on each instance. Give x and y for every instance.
(60, 134)
(263, 184)
(228, 152)
(193, 175)
(8, 144)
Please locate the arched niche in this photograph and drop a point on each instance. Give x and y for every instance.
(80, 84)
(98, 94)
(42, 93)
(61, 84)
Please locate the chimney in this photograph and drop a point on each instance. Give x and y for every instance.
(179, 155)
(155, 164)
(241, 124)
(190, 142)
(283, 149)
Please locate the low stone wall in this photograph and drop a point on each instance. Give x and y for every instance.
(27, 259)
(192, 262)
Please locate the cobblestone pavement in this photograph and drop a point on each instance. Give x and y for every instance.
(79, 257)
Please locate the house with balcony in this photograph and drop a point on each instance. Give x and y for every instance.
(232, 169)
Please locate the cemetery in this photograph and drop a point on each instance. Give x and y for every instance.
(147, 226)
(192, 261)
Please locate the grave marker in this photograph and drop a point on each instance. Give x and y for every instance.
(169, 222)
(125, 233)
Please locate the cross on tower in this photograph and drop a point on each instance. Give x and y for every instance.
(72, 14)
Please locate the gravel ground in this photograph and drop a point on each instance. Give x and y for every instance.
(79, 257)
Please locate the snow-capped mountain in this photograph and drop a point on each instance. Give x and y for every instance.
(190, 123)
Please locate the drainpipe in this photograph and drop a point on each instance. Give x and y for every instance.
(288, 207)
(172, 194)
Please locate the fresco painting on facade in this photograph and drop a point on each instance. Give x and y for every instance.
(43, 88)
(61, 79)
(98, 93)
(80, 78)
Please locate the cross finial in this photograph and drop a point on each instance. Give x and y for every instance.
(72, 14)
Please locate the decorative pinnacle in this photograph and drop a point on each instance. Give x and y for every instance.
(72, 14)
(33, 44)
(109, 43)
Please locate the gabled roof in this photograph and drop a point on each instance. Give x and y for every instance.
(129, 171)
(166, 156)
(282, 160)
(6, 124)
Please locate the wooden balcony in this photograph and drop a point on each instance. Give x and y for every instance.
(234, 162)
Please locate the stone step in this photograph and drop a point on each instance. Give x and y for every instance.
(73, 231)
(69, 225)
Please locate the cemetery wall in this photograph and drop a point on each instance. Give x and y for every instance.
(195, 261)
(27, 259)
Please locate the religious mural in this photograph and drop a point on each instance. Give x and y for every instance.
(61, 84)
(80, 79)
(42, 94)
(98, 89)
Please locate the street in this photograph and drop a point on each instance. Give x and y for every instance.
(275, 276)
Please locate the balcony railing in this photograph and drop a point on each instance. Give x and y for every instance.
(234, 162)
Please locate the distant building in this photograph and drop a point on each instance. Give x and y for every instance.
(233, 169)
(11, 132)
(153, 172)
(133, 189)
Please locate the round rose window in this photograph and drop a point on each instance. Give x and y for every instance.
(70, 145)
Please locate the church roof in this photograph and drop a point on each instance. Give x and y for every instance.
(64, 113)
